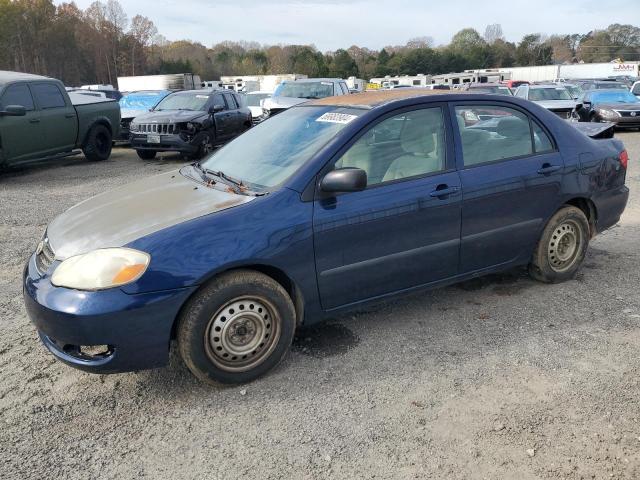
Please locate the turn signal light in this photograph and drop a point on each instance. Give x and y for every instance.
(624, 158)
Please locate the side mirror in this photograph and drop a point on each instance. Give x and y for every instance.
(216, 108)
(578, 106)
(344, 180)
(13, 111)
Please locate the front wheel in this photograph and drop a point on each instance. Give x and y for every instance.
(237, 328)
(98, 144)
(562, 246)
(204, 141)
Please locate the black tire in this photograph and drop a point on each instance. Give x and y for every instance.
(98, 144)
(146, 154)
(594, 118)
(562, 246)
(205, 142)
(209, 338)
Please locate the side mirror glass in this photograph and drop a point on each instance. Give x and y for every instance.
(13, 111)
(216, 108)
(344, 180)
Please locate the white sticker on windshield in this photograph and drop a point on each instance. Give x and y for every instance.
(202, 96)
(326, 83)
(332, 117)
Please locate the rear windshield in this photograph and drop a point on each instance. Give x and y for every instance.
(141, 100)
(304, 89)
(184, 101)
(614, 97)
(556, 93)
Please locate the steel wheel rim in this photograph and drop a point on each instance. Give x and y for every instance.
(242, 334)
(564, 246)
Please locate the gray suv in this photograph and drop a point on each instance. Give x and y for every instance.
(294, 92)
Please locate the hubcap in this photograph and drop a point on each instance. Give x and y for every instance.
(564, 246)
(242, 334)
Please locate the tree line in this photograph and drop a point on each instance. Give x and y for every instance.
(100, 43)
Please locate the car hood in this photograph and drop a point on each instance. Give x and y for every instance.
(619, 106)
(256, 111)
(169, 116)
(283, 102)
(556, 104)
(130, 113)
(120, 216)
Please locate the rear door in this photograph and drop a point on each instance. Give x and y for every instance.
(21, 138)
(403, 230)
(511, 174)
(57, 115)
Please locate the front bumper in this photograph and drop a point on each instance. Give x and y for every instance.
(168, 143)
(135, 330)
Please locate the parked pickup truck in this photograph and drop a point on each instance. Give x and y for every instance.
(39, 120)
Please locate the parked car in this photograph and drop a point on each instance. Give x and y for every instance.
(107, 90)
(254, 101)
(313, 213)
(600, 85)
(294, 92)
(615, 106)
(191, 122)
(491, 88)
(575, 91)
(134, 104)
(39, 120)
(513, 84)
(555, 98)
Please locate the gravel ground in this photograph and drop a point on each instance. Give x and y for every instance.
(500, 377)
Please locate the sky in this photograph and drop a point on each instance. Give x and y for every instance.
(333, 24)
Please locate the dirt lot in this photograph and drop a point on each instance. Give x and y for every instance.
(501, 377)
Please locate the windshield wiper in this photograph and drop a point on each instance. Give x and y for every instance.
(238, 186)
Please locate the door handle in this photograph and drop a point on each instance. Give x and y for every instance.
(444, 190)
(547, 169)
(34, 120)
(70, 115)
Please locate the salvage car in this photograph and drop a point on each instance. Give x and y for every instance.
(190, 122)
(555, 98)
(295, 92)
(254, 101)
(615, 106)
(322, 209)
(40, 121)
(134, 104)
(491, 88)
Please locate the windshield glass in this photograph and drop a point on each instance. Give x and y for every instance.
(556, 93)
(184, 101)
(574, 91)
(142, 100)
(611, 85)
(614, 97)
(253, 99)
(266, 155)
(304, 90)
(492, 90)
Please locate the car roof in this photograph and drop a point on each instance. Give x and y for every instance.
(376, 98)
(7, 77)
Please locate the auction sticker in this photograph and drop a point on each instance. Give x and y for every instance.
(331, 117)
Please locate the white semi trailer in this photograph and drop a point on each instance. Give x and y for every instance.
(547, 73)
(172, 81)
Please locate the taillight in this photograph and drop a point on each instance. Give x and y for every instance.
(624, 158)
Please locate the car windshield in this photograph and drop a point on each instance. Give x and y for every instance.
(268, 154)
(614, 97)
(574, 91)
(304, 90)
(141, 100)
(184, 101)
(555, 93)
(253, 99)
(492, 90)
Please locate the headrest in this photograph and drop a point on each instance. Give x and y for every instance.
(417, 136)
(513, 127)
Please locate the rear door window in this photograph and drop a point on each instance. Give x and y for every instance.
(231, 101)
(17, 95)
(48, 95)
(491, 133)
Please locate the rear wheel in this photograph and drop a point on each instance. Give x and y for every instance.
(146, 154)
(562, 246)
(98, 144)
(237, 328)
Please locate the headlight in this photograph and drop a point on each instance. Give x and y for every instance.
(100, 269)
(133, 127)
(608, 113)
(265, 112)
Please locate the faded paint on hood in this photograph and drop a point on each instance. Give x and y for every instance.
(120, 216)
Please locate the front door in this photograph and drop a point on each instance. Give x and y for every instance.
(511, 174)
(22, 137)
(223, 118)
(58, 117)
(403, 230)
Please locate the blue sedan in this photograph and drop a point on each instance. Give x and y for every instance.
(330, 205)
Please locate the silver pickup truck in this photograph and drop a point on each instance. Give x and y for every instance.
(39, 120)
